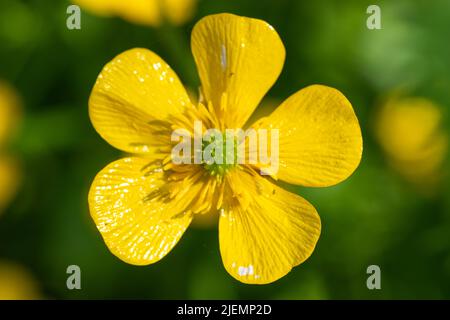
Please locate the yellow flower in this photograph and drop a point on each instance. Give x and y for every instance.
(16, 283)
(145, 12)
(9, 180)
(409, 131)
(9, 112)
(143, 204)
(9, 168)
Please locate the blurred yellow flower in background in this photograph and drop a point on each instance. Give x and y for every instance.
(9, 180)
(145, 12)
(10, 114)
(410, 133)
(16, 283)
(143, 204)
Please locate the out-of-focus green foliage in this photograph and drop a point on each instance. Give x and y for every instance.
(375, 217)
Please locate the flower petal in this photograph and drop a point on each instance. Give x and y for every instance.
(133, 91)
(264, 230)
(320, 142)
(238, 60)
(130, 203)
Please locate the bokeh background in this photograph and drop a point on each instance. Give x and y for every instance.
(393, 212)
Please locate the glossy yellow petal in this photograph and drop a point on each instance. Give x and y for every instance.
(145, 12)
(133, 94)
(10, 177)
(10, 111)
(264, 230)
(132, 205)
(178, 11)
(16, 283)
(238, 60)
(320, 142)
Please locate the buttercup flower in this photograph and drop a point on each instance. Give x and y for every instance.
(143, 204)
(9, 168)
(145, 12)
(410, 133)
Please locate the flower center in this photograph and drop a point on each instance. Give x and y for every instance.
(219, 156)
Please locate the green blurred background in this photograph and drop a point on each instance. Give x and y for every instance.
(375, 217)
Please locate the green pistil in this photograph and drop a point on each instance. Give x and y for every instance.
(217, 169)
